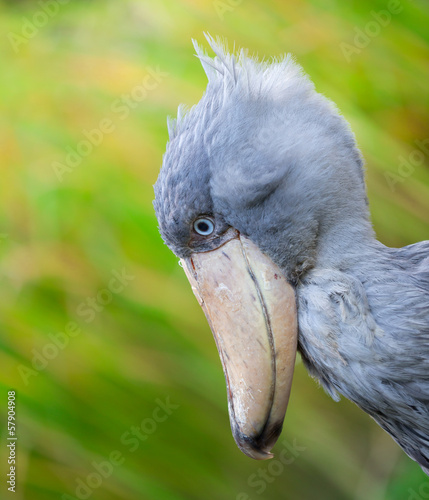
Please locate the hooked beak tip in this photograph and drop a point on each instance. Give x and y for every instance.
(258, 447)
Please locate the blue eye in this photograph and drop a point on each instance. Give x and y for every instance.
(203, 226)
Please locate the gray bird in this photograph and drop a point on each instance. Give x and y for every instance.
(262, 196)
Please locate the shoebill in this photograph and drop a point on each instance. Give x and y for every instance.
(262, 197)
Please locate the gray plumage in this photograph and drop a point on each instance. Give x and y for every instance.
(264, 153)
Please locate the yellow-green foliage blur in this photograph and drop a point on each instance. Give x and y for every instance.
(119, 390)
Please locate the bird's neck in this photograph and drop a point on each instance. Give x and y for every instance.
(339, 316)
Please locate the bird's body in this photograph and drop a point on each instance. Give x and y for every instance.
(265, 158)
(363, 333)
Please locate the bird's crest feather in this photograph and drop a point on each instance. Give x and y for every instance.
(237, 71)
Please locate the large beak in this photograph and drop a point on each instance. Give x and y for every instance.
(251, 310)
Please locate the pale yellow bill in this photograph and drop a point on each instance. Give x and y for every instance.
(251, 310)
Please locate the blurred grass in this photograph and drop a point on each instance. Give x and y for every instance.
(60, 242)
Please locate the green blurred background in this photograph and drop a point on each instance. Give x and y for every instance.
(90, 359)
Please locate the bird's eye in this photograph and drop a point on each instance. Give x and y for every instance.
(203, 226)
